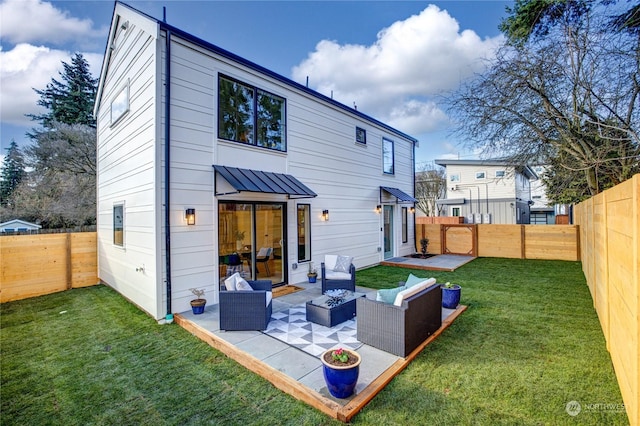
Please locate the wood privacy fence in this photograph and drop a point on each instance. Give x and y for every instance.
(33, 265)
(552, 242)
(610, 240)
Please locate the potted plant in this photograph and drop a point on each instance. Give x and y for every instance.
(312, 274)
(197, 305)
(239, 235)
(424, 242)
(341, 368)
(450, 295)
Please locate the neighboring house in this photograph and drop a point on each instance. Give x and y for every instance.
(17, 225)
(487, 191)
(264, 174)
(542, 213)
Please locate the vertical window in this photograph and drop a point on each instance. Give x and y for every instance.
(118, 225)
(387, 156)
(405, 226)
(120, 104)
(361, 135)
(250, 115)
(271, 118)
(304, 232)
(455, 211)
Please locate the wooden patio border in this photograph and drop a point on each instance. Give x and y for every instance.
(292, 387)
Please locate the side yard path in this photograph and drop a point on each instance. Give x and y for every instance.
(528, 345)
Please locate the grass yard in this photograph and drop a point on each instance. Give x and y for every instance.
(528, 344)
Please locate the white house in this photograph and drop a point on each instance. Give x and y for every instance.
(542, 212)
(17, 225)
(258, 165)
(487, 191)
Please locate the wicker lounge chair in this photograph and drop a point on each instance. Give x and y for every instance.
(332, 280)
(246, 310)
(400, 329)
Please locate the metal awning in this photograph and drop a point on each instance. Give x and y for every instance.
(246, 180)
(401, 197)
(450, 201)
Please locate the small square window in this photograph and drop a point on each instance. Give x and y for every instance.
(454, 178)
(481, 175)
(361, 135)
(499, 173)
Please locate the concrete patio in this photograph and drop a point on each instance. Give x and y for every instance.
(295, 371)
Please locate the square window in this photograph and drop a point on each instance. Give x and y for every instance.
(361, 135)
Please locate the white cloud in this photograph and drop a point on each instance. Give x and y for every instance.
(35, 21)
(394, 78)
(26, 67)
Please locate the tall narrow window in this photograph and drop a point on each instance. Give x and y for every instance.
(304, 232)
(120, 104)
(271, 119)
(405, 226)
(387, 156)
(118, 225)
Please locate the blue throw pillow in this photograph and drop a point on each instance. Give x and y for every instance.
(388, 295)
(413, 280)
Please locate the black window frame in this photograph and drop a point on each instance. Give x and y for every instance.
(361, 135)
(307, 226)
(405, 224)
(384, 158)
(254, 139)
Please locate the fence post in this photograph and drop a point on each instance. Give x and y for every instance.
(68, 260)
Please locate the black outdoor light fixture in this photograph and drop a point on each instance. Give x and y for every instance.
(190, 215)
(378, 208)
(325, 215)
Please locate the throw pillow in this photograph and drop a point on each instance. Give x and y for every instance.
(242, 284)
(343, 263)
(230, 283)
(413, 280)
(388, 295)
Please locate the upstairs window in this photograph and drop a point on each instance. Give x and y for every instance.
(120, 104)
(250, 115)
(361, 135)
(480, 175)
(387, 156)
(454, 178)
(499, 173)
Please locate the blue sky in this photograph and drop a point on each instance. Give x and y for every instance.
(393, 59)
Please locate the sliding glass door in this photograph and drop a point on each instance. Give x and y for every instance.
(251, 240)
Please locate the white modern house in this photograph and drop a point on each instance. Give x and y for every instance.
(542, 212)
(487, 191)
(205, 157)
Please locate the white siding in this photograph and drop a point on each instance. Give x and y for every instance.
(127, 167)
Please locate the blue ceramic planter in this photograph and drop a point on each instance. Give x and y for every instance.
(451, 297)
(312, 279)
(198, 307)
(341, 381)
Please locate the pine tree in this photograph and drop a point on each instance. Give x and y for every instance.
(71, 100)
(12, 173)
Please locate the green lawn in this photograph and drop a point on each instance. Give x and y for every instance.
(528, 344)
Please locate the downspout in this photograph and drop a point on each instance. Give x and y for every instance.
(167, 170)
(413, 194)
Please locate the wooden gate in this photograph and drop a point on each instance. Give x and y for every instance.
(459, 239)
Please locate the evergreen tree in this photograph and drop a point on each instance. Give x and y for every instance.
(12, 173)
(71, 100)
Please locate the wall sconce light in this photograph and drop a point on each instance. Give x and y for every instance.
(190, 215)
(325, 215)
(412, 209)
(379, 208)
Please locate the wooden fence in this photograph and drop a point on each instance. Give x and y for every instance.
(33, 265)
(610, 240)
(553, 242)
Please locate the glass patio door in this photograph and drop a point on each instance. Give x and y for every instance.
(388, 231)
(251, 240)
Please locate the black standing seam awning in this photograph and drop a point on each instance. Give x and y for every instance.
(266, 182)
(401, 197)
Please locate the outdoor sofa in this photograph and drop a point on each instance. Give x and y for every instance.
(399, 328)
